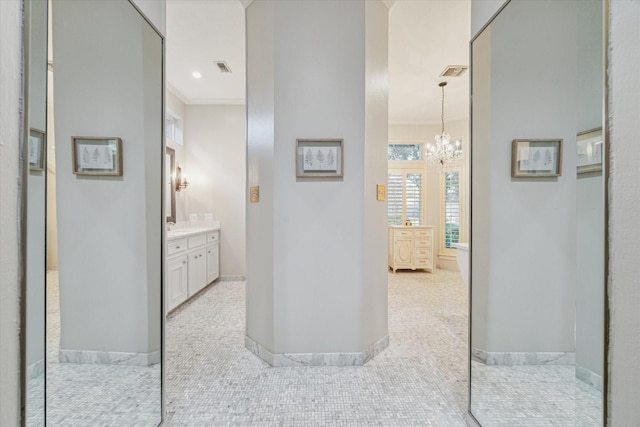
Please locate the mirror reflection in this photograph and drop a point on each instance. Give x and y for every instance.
(36, 22)
(104, 320)
(537, 321)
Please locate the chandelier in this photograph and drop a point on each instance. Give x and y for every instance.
(443, 152)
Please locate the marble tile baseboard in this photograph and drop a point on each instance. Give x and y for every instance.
(316, 359)
(35, 369)
(471, 422)
(523, 358)
(109, 357)
(232, 278)
(589, 377)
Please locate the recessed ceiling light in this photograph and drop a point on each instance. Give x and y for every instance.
(196, 74)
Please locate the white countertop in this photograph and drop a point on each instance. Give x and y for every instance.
(181, 232)
(411, 226)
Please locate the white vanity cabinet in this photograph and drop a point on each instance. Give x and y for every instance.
(192, 263)
(176, 280)
(410, 247)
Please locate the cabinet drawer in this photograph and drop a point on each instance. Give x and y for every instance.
(404, 233)
(422, 252)
(422, 242)
(198, 240)
(176, 246)
(212, 237)
(422, 262)
(423, 233)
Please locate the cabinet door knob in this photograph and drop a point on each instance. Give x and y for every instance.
(184, 262)
(177, 247)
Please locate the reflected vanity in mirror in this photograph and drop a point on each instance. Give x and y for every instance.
(537, 263)
(104, 232)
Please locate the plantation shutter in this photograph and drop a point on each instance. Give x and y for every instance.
(394, 198)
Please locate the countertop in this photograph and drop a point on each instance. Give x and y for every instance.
(178, 233)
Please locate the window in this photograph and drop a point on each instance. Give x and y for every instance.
(173, 128)
(405, 196)
(451, 209)
(404, 152)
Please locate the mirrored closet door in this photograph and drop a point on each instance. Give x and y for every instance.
(538, 227)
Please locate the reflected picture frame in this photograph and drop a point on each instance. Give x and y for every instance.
(37, 149)
(536, 158)
(589, 146)
(96, 156)
(319, 158)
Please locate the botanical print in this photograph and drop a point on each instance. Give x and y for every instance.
(320, 158)
(96, 157)
(536, 159)
(35, 145)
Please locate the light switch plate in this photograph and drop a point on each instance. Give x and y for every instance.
(193, 217)
(380, 192)
(208, 217)
(254, 194)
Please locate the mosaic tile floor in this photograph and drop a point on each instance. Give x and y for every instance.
(419, 380)
(533, 396)
(88, 394)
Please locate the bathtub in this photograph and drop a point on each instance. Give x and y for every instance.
(462, 257)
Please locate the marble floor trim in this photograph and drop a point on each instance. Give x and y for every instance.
(589, 377)
(513, 358)
(109, 357)
(316, 359)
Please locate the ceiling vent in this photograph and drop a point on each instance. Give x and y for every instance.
(454, 71)
(224, 68)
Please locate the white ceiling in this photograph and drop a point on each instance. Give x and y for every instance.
(424, 37)
(200, 32)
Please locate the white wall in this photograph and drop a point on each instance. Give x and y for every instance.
(260, 18)
(215, 145)
(109, 228)
(10, 223)
(624, 211)
(36, 187)
(433, 201)
(155, 11)
(316, 277)
(532, 237)
(481, 12)
(590, 195)
(375, 294)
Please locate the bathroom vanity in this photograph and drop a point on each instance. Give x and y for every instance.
(410, 247)
(192, 263)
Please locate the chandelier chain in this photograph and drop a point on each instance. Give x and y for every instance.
(442, 109)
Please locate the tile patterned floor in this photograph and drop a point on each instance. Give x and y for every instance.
(419, 380)
(533, 396)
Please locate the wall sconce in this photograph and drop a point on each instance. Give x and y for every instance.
(181, 180)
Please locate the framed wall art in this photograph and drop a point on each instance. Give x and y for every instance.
(589, 151)
(37, 149)
(319, 158)
(97, 156)
(536, 158)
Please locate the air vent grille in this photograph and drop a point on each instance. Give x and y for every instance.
(454, 71)
(224, 68)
